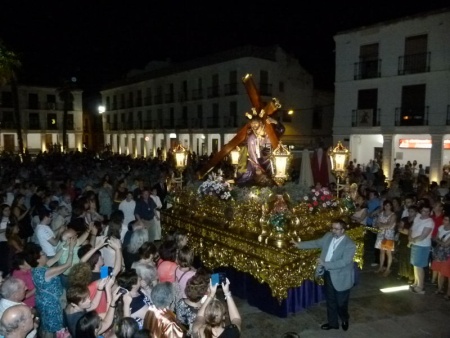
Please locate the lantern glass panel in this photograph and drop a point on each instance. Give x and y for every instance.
(280, 165)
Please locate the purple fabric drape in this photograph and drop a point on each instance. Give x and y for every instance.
(245, 286)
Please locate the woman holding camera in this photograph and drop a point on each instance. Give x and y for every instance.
(210, 321)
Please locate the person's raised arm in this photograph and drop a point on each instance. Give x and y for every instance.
(235, 317)
(115, 244)
(85, 235)
(101, 243)
(126, 304)
(57, 270)
(52, 261)
(200, 319)
(106, 323)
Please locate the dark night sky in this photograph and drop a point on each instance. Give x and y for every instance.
(99, 41)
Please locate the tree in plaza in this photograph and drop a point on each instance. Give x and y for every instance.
(9, 66)
(65, 95)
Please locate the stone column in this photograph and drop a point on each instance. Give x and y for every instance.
(436, 157)
(387, 156)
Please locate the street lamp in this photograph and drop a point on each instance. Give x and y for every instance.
(101, 109)
(281, 160)
(339, 156)
(180, 163)
(235, 154)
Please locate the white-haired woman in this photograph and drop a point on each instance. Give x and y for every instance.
(131, 251)
(148, 276)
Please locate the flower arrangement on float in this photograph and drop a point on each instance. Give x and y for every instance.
(319, 198)
(215, 185)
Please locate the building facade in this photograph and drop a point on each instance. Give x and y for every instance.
(41, 118)
(392, 92)
(201, 104)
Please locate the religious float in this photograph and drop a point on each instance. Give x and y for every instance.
(245, 226)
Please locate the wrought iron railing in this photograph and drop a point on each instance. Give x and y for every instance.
(411, 116)
(414, 63)
(367, 69)
(366, 117)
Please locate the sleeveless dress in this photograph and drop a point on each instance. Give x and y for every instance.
(47, 300)
(388, 233)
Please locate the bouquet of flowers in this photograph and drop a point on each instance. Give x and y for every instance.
(215, 185)
(319, 198)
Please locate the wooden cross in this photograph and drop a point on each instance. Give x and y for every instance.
(241, 135)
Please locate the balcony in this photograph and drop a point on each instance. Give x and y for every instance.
(414, 63)
(182, 96)
(182, 124)
(158, 99)
(147, 124)
(213, 91)
(169, 98)
(148, 101)
(368, 69)
(196, 123)
(7, 125)
(409, 116)
(229, 122)
(265, 89)
(168, 124)
(212, 122)
(230, 89)
(366, 118)
(51, 126)
(34, 125)
(197, 94)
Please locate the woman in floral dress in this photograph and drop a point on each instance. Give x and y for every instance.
(386, 223)
(48, 286)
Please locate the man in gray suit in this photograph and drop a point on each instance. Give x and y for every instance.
(336, 264)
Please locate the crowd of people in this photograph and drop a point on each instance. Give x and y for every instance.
(83, 254)
(408, 225)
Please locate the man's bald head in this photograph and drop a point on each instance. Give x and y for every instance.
(17, 321)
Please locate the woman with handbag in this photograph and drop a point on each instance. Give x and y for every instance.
(386, 224)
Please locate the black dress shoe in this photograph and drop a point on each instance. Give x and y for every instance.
(329, 327)
(345, 326)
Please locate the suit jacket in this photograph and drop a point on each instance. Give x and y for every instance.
(340, 267)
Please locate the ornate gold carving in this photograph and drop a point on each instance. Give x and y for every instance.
(239, 241)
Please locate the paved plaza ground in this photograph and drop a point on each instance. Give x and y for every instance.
(372, 314)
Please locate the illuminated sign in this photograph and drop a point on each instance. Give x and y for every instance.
(409, 143)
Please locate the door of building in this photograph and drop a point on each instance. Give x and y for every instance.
(8, 142)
